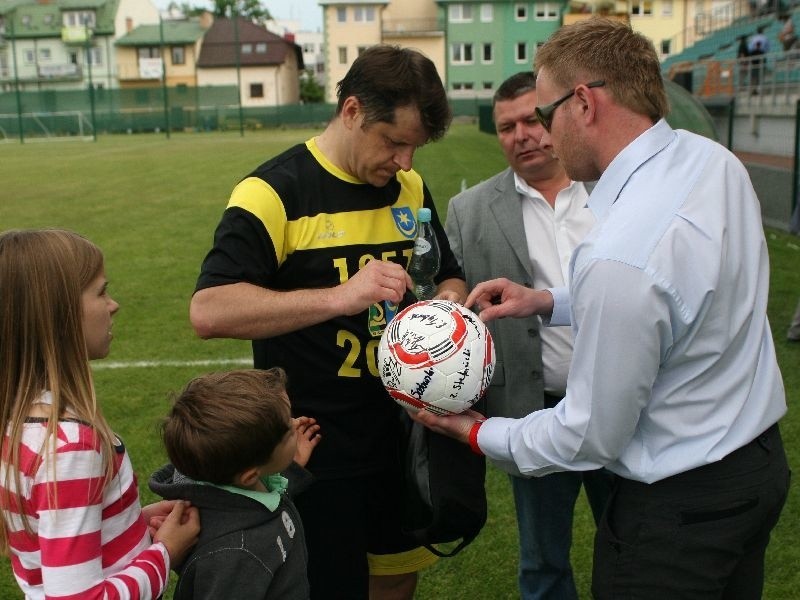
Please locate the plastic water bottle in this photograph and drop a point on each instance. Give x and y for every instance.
(425, 261)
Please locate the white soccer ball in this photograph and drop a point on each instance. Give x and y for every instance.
(436, 355)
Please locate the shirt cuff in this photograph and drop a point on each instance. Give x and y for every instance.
(494, 443)
(561, 308)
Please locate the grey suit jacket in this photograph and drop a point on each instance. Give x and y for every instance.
(487, 235)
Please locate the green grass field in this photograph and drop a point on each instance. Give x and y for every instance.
(152, 205)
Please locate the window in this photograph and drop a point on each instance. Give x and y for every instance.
(460, 13)
(148, 52)
(48, 19)
(308, 48)
(45, 54)
(26, 20)
(341, 14)
(522, 52)
(462, 86)
(545, 11)
(96, 56)
(461, 53)
(256, 90)
(342, 55)
(665, 46)
(487, 55)
(487, 85)
(364, 14)
(73, 58)
(521, 12)
(178, 55)
(666, 8)
(487, 13)
(30, 56)
(76, 18)
(247, 48)
(261, 48)
(641, 7)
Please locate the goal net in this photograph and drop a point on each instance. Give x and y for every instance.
(45, 127)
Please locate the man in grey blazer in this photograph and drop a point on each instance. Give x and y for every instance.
(523, 224)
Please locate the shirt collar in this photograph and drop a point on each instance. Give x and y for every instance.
(524, 189)
(275, 484)
(626, 163)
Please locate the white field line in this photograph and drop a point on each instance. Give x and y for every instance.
(150, 364)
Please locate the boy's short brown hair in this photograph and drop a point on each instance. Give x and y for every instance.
(223, 423)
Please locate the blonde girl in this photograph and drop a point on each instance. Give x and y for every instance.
(71, 522)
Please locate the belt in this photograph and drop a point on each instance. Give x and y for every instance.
(769, 441)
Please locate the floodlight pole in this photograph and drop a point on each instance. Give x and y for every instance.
(16, 78)
(164, 74)
(795, 160)
(235, 14)
(88, 45)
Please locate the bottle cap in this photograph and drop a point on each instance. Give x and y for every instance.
(424, 215)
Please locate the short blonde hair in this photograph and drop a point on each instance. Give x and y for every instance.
(608, 50)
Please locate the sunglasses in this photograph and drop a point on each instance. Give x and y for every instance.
(545, 113)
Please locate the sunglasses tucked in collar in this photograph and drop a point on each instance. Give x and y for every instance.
(545, 113)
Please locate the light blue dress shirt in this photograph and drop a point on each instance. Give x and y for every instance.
(673, 364)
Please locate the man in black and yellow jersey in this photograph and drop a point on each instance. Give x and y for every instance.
(309, 262)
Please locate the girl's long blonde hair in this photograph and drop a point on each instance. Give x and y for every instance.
(43, 274)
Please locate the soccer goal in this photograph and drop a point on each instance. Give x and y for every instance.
(46, 127)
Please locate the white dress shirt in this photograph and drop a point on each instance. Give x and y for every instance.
(673, 361)
(552, 233)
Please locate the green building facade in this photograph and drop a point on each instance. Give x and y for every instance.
(487, 42)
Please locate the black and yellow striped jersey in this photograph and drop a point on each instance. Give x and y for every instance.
(300, 222)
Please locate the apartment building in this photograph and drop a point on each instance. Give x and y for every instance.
(64, 44)
(478, 44)
(162, 54)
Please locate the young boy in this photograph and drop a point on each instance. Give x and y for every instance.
(228, 437)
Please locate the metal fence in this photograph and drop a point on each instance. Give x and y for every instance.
(757, 117)
(65, 114)
(771, 79)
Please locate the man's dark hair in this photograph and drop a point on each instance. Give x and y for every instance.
(385, 78)
(515, 86)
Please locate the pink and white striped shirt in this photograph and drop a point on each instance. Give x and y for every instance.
(89, 540)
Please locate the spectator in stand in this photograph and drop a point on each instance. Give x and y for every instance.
(787, 36)
(743, 56)
(758, 45)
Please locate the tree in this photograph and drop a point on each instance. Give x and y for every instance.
(250, 9)
(310, 90)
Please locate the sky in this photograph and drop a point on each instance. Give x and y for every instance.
(308, 12)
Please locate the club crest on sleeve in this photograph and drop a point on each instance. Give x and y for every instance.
(404, 219)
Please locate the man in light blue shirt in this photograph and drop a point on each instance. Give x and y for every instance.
(674, 385)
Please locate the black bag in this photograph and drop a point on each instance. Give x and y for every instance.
(444, 494)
